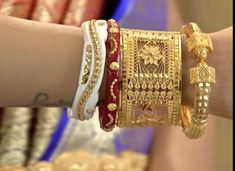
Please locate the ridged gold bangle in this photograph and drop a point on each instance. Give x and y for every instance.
(194, 121)
(151, 78)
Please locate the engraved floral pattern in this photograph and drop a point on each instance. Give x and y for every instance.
(151, 53)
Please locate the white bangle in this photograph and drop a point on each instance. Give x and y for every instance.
(101, 29)
(91, 75)
(87, 60)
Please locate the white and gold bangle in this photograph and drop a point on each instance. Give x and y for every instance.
(92, 69)
(101, 37)
(85, 70)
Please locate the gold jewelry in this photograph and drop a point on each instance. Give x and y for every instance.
(194, 121)
(96, 73)
(87, 68)
(151, 78)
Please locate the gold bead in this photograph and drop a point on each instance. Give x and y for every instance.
(185, 116)
(112, 20)
(114, 66)
(90, 111)
(113, 30)
(112, 106)
(107, 129)
(206, 98)
(201, 74)
(201, 53)
(190, 29)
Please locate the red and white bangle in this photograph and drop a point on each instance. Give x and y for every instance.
(109, 107)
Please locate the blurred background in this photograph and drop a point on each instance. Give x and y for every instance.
(168, 147)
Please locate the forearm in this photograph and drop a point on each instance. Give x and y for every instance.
(39, 63)
(221, 60)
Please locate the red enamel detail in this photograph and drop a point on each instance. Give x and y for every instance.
(108, 118)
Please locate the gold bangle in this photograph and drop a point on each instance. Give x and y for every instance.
(194, 121)
(151, 78)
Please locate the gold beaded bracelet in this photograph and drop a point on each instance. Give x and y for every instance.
(194, 121)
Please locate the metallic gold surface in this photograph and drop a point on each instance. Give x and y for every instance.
(88, 61)
(95, 74)
(112, 106)
(90, 111)
(115, 81)
(114, 66)
(151, 78)
(196, 39)
(111, 120)
(202, 76)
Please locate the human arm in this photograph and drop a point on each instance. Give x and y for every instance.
(40, 64)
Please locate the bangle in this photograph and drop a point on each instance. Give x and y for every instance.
(109, 106)
(151, 78)
(194, 121)
(86, 99)
(86, 69)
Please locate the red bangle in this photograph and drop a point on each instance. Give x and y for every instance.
(108, 108)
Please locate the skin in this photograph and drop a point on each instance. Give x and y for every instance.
(171, 149)
(221, 60)
(33, 73)
(54, 72)
(45, 72)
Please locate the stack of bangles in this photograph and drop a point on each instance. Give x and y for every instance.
(141, 72)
